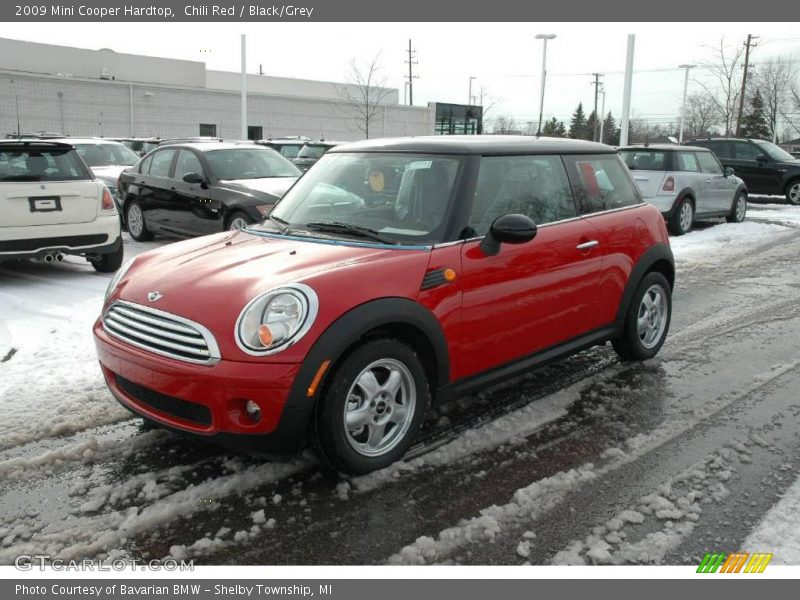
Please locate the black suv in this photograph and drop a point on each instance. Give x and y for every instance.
(765, 168)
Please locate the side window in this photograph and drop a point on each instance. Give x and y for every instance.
(745, 151)
(720, 148)
(536, 186)
(145, 166)
(601, 183)
(159, 167)
(687, 161)
(187, 163)
(708, 163)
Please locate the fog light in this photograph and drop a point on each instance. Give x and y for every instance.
(253, 411)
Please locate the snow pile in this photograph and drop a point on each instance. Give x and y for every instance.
(779, 530)
(717, 245)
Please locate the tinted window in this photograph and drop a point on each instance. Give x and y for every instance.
(708, 163)
(144, 167)
(772, 151)
(161, 163)
(187, 163)
(312, 151)
(536, 186)
(745, 151)
(645, 160)
(40, 164)
(249, 163)
(720, 148)
(290, 151)
(103, 155)
(601, 183)
(687, 161)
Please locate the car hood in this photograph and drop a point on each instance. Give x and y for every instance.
(272, 186)
(109, 172)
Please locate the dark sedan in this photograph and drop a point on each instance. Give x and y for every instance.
(196, 189)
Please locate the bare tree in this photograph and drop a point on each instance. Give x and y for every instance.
(775, 78)
(702, 114)
(365, 93)
(504, 124)
(488, 103)
(727, 73)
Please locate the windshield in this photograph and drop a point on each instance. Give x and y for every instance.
(644, 160)
(403, 198)
(40, 164)
(104, 155)
(312, 151)
(773, 151)
(249, 163)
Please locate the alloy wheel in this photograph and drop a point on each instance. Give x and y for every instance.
(652, 317)
(687, 213)
(794, 193)
(238, 223)
(135, 220)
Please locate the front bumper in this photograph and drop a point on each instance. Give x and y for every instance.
(101, 236)
(208, 400)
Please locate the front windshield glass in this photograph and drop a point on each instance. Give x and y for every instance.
(104, 155)
(249, 163)
(312, 151)
(400, 198)
(773, 151)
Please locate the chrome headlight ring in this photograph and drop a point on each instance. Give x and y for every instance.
(117, 278)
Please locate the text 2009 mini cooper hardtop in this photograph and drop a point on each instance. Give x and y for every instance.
(393, 275)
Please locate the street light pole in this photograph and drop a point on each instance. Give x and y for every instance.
(544, 37)
(469, 98)
(683, 105)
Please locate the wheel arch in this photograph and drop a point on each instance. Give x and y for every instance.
(657, 258)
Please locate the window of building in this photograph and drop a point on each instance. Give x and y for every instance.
(255, 132)
(208, 130)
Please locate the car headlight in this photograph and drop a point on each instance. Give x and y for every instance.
(276, 319)
(117, 277)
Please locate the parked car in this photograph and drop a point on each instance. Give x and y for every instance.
(188, 140)
(106, 158)
(347, 313)
(51, 205)
(196, 189)
(311, 153)
(686, 183)
(288, 147)
(38, 135)
(795, 154)
(140, 146)
(764, 167)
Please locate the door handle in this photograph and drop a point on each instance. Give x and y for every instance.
(708, 180)
(588, 245)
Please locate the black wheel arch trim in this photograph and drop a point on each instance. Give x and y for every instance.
(657, 253)
(680, 198)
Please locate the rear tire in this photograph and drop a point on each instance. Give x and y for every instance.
(681, 220)
(108, 263)
(647, 320)
(373, 407)
(739, 209)
(137, 226)
(793, 192)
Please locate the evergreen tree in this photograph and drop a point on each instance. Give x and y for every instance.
(610, 130)
(591, 123)
(561, 130)
(554, 128)
(577, 125)
(754, 122)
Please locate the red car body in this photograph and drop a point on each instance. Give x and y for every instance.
(499, 315)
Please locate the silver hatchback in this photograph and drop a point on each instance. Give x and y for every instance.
(686, 183)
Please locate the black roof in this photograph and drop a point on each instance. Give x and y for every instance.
(496, 145)
(664, 147)
(724, 139)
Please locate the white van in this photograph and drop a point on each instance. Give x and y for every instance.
(51, 205)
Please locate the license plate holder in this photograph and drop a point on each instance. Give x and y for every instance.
(44, 203)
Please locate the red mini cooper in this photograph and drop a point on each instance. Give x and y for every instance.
(394, 275)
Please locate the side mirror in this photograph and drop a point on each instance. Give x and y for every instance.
(508, 229)
(728, 171)
(762, 158)
(196, 178)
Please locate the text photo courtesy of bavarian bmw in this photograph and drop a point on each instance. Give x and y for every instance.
(394, 275)
(52, 205)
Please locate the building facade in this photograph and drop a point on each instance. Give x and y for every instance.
(104, 93)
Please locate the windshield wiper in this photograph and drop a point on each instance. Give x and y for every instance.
(357, 230)
(283, 226)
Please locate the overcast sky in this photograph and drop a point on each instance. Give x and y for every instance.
(504, 57)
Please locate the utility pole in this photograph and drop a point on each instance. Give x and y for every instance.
(411, 77)
(469, 99)
(683, 105)
(602, 112)
(596, 83)
(748, 44)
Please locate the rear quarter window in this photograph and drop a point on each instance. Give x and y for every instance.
(601, 182)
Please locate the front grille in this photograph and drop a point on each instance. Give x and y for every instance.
(161, 332)
(188, 411)
(69, 241)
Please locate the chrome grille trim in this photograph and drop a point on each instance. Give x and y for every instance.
(161, 332)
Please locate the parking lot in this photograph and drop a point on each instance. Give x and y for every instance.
(587, 460)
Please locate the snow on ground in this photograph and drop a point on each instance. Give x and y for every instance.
(779, 530)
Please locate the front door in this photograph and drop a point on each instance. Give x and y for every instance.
(719, 189)
(193, 212)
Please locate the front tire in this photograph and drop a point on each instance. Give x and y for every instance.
(793, 192)
(682, 219)
(108, 263)
(134, 218)
(739, 209)
(647, 320)
(238, 220)
(373, 407)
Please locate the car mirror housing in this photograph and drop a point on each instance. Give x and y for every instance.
(729, 171)
(508, 229)
(194, 178)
